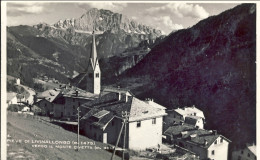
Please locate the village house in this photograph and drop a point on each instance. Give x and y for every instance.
(206, 144)
(11, 98)
(247, 153)
(104, 119)
(190, 115)
(20, 98)
(66, 105)
(45, 101)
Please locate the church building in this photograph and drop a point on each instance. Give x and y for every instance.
(93, 74)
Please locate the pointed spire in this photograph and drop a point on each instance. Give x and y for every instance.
(94, 50)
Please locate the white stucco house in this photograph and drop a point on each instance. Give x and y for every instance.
(104, 119)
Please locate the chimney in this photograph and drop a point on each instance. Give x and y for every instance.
(119, 96)
(205, 142)
(77, 93)
(126, 98)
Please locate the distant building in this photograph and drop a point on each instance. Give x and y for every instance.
(45, 101)
(20, 98)
(190, 115)
(11, 98)
(71, 98)
(104, 119)
(206, 144)
(18, 81)
(195, 121)
(247, 153)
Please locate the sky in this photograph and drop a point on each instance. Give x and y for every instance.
(166, 16)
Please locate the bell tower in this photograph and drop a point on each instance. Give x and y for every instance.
(93, 70)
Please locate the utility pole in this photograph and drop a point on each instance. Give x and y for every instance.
(78, 131)
(125, 116)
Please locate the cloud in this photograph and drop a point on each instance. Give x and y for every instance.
(16, 9)
(166, 24)
(180, 10)
(116, 7)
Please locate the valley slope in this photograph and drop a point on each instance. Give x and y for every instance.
(210, 65)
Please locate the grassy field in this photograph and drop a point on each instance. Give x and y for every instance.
(23, 131)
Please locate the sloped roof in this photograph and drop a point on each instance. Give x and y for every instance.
(117, 90)
(137, 109)
(177, 129)
(189, 111)
(192, 120)
(252, 148)
(50, 95)
(82, 94)
(10, 96)
(196, 136)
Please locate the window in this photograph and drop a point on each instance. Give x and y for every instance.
(248, 155)
(221, 140)
(138, 124)
(90, 75)
(154, 121)
(213, 152)
(216, 142)
(97, 75)
(45, 104)
(242, 152)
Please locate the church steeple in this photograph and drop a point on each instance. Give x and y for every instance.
(94, 51)
(93, 71)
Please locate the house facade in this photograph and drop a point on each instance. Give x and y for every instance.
(247, 153)
(104, 121)
(206, 144)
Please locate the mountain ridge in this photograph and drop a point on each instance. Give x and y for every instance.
(211, 65)
(103, 20)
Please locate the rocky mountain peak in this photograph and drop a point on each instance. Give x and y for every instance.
(104, 20)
